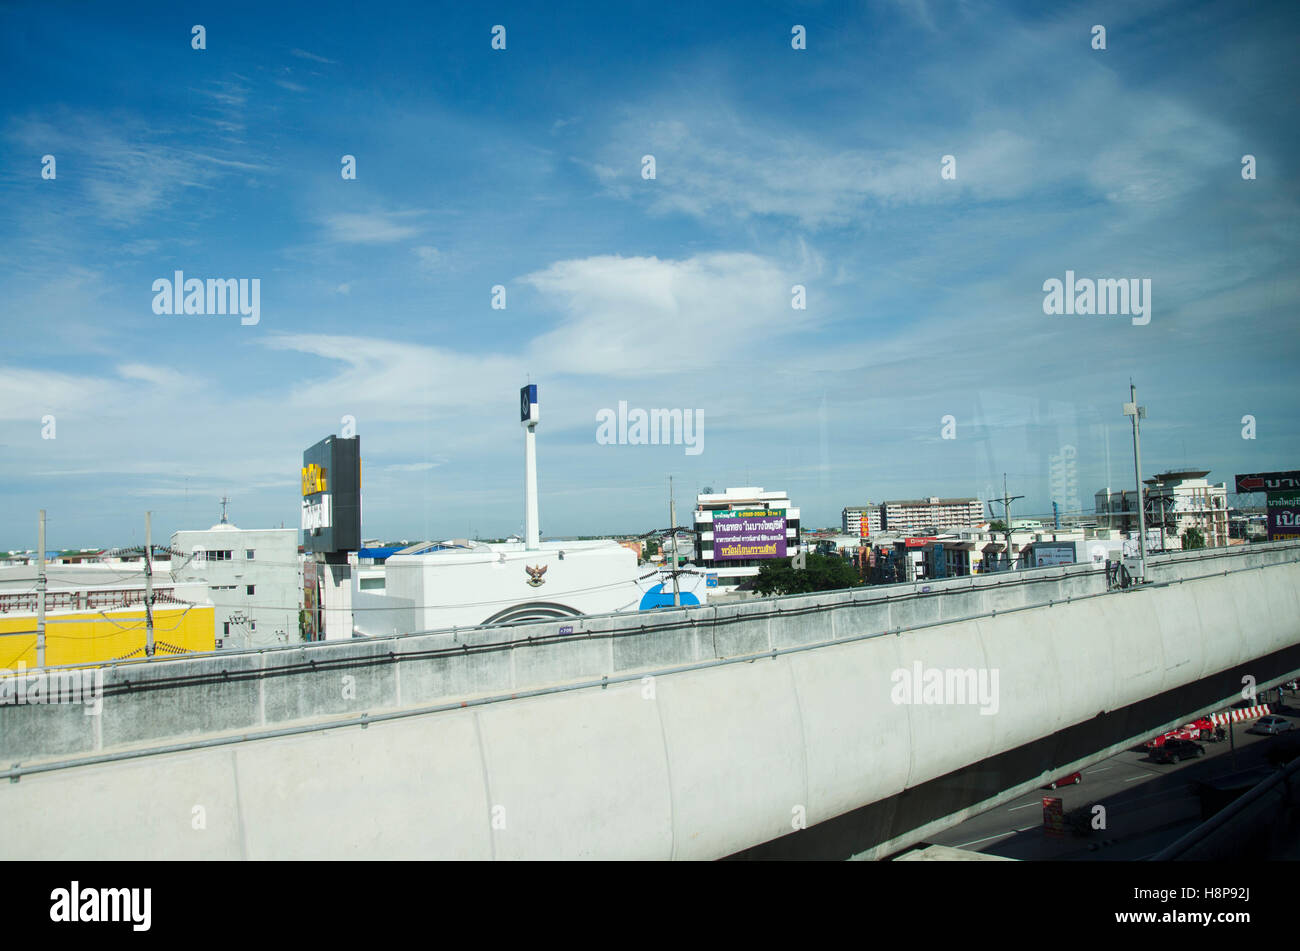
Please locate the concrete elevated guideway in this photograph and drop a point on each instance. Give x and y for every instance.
(697, 733)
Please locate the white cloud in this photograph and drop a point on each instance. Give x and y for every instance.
(127, 171)
(640, 316)
(303, 54)
(429, 259)
(156, 375)
(396, 380)
(373, 227)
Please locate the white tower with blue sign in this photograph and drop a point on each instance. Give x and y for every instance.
(528, 416)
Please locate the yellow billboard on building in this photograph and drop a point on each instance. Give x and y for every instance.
(87, 637)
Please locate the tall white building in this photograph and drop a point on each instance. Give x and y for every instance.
(254, 580)
(925, 516)
(860, 521)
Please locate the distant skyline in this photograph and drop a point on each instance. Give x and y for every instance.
(521, 168)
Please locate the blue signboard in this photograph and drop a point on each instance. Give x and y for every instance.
(528, 403)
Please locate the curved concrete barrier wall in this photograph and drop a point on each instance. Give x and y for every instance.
(167, 699)
(696, 764)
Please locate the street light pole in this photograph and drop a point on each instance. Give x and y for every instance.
(1138, 412)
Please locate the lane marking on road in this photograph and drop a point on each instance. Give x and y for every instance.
(1099, 769)
(1133, 779)
(1000, 835)
(1025, 806)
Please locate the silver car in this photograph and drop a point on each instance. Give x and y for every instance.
(1271, 724)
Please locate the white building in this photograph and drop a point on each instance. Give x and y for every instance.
(860, 521)
(1174, 501)
(254, 580)
(926, 516)
(1177, 501)
(466, 583)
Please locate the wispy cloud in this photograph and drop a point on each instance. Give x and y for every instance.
(629, 316)
(371, 227)
(428, 258)
(303, 54)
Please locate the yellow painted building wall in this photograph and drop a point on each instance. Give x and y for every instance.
(83, 637)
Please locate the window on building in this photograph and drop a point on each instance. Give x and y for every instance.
(250, 588)
(225, 629)
(249, 554)
(252, 625)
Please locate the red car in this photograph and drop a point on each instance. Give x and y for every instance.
(1201, 729)
(1071, 780)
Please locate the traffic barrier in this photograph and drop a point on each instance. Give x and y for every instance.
(1246, 713)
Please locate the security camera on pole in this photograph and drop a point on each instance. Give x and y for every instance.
(528, 416)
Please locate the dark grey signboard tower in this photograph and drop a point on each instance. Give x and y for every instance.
(331, 498)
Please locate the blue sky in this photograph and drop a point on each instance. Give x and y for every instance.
(522, 167)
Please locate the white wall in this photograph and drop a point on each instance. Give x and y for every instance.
(274, 571)
(465, 588)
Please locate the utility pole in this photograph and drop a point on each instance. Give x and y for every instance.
(1006, 501)
(40, 590)
(672, 521)
(1132, 409)
(148, 582)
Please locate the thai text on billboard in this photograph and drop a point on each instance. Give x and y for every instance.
(1269, 481)
(1283, 517)
(749, 533)
(1061, 553)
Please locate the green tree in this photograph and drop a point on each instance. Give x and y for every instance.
(1192, 538)
(824, 573)
(651, 548)
(997, 526)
